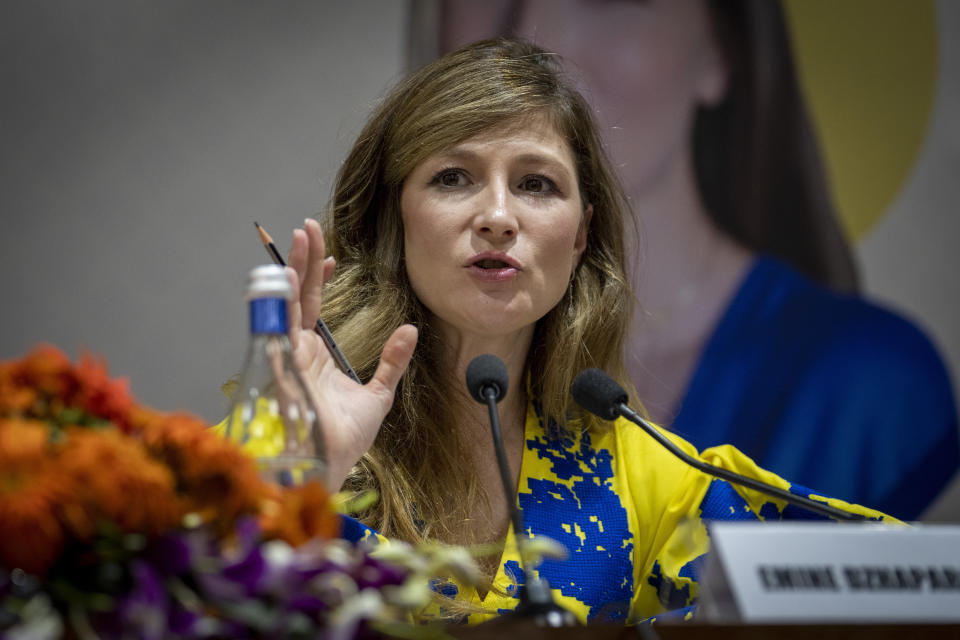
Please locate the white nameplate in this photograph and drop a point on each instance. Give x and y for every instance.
(838, 572)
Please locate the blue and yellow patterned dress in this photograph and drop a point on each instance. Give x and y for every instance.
(631, 515)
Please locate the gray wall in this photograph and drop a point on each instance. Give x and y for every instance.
(140, 140)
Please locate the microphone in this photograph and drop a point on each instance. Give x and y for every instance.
(600, 394)
(487, 381)
(487, 375)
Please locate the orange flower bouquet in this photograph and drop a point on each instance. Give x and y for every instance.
(117, 520)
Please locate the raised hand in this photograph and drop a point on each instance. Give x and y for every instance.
(350, 413)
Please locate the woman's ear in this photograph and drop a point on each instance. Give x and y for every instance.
(580, 244)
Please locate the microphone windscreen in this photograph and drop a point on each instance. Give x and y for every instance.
(484, 371)
(598, 393)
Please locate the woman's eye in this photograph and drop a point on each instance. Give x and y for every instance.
(450, 178)
(538, 184)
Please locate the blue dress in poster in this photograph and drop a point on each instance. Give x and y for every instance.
(828, 390)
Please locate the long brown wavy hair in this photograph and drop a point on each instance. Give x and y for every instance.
(418, 465)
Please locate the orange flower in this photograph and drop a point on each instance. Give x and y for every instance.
(31, 489)
(47, 370)
(100, 396)
(216, 479)
(15, 399)
(117, 481)
(117, 461)
(300, 514)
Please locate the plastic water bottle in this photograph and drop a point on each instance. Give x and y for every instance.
(273, 417)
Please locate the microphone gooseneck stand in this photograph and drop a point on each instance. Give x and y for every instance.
(600, 394)
(487, 382)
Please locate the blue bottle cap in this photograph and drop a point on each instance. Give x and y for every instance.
(268, 291)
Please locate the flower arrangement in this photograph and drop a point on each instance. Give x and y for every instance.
(117, 520)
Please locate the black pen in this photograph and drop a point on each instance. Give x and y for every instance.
(321, 328)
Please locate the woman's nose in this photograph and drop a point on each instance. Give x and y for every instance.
(496, 216)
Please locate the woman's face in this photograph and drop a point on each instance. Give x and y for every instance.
(643, 65)
(494, 228)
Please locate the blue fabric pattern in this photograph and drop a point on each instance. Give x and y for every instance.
(588, 518)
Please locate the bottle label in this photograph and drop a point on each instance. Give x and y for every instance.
(268, 315)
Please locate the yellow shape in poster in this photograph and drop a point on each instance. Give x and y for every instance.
(869, 73)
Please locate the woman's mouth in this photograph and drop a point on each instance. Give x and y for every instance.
(493, 268)
(491, 264)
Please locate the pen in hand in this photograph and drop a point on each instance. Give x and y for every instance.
(321, 328)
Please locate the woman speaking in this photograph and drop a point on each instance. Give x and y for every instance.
(477, 214)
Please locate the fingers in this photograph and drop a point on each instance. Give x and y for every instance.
(313, 277)
(298, 255)
(299, 248)
(307, 258)
(394, 359)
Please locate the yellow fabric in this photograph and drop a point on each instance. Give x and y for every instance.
(653, 506)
